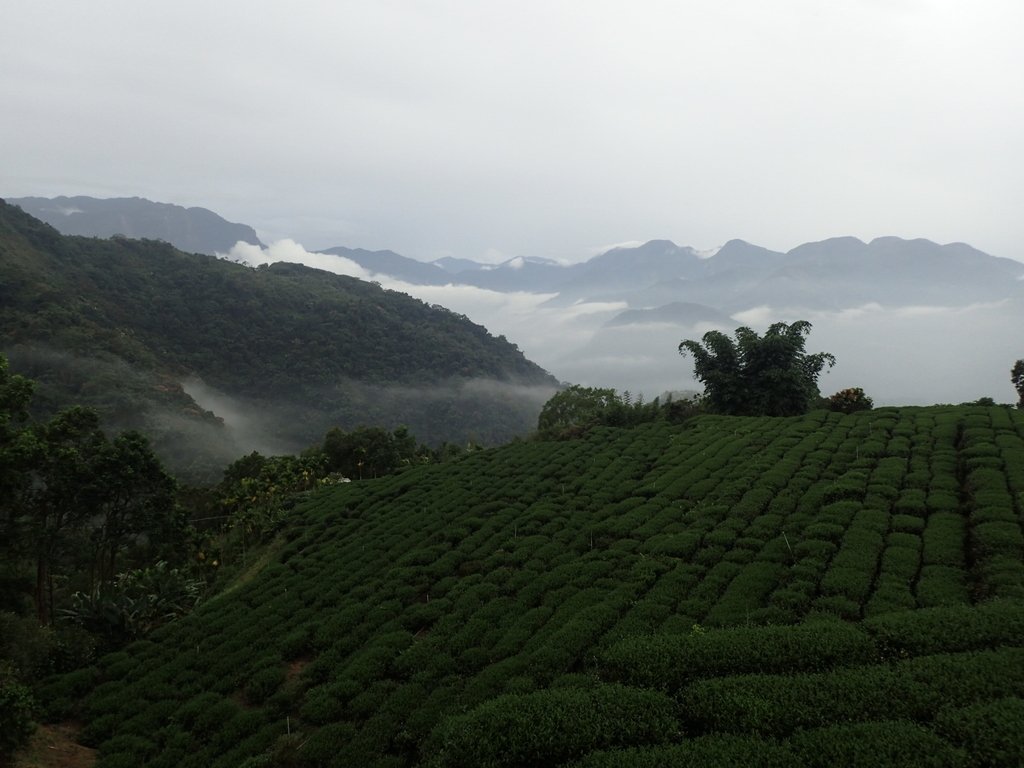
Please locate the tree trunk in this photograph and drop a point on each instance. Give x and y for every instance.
(42, 580)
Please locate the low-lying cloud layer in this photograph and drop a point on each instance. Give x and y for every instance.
(907, 355)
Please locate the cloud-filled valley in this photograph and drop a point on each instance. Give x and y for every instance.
(900, 353)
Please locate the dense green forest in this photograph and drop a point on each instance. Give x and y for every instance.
(124, 325)
(714, 591)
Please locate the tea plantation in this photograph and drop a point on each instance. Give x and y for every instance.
(811, 591)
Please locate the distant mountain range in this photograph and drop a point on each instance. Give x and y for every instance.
(192, 230)
(628, 307)
(831, 274)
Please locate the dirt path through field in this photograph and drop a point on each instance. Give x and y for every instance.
(54, 746)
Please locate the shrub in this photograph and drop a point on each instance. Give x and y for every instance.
(941, 585)
(850, 400)
(890, 596)
(746, 593)
(837, 605)
(263, 683)
(990, 732)
(900, 561)
(128, 745)
(324, 744)
(997, 538)
(669, 662)
(948, 629)
(320, 706)
(844, 581)
(777, 705)
(943, 540)
(893, 744)
(907, 524)
(16, 704)
(714, 751)
(553, 726)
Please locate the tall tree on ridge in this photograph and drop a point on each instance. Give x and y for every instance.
(768, 375)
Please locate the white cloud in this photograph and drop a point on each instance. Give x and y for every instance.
(598, 250)
(913, 355)
(290, 251)
(755, 316)
(709, 252)
(492, 256)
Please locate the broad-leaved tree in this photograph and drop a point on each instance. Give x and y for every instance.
(770, 375)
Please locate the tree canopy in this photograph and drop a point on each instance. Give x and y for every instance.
(575, 409)
(73, 499)
(574, 406)
(1017, 377)
(850, 400)
(754, 375)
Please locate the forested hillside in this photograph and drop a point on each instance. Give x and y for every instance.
(810, 591)
(177, 344)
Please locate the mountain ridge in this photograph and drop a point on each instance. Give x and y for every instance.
(121, 323)
(619, 273)
(193, 229)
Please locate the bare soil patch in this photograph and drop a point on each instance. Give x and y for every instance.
(55, 746)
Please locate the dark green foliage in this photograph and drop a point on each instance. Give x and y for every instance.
(895, 744)
(134, 604)
(1017, 379)
(949, 629)
(16, 707)
(368, 451)
(550, 727)
(942, 585)
(576, 406)
(61, 694)
(759, 376)
(77, 506)
(575, 409)
(776, 706)
(991, 733)
(452, 599)
(263, 683)
(325, 744)
(717, 751)
(112, 324)
(18, 454)
(670, 662)
(850, 400)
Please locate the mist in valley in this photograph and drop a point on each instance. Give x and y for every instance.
(250, 426)
(900, 355)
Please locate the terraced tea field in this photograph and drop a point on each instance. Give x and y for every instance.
(821, 590)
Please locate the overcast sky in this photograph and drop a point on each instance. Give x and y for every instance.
(493, 129)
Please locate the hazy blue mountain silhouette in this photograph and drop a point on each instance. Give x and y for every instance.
(192, 230)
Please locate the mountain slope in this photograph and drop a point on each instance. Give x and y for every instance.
(132, 325)
(721, 588)
(396, 266)
(677, 313)
(193, 230)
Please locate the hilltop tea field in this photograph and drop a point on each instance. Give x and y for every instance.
(811, 591)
